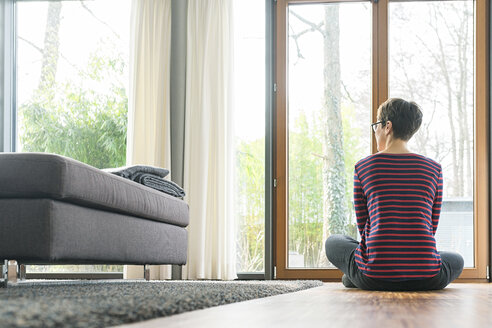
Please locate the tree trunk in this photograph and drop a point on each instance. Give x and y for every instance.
(334, 184)
(50, 50)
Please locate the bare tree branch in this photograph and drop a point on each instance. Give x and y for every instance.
(31, 44)
(347, 92)
(298, 35)
(314, 27)
(320, 156)
(295, 37)
(41, 51)
(82, 3)
(309, 30)
(452, 32)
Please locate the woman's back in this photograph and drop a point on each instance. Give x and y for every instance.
(397, 201)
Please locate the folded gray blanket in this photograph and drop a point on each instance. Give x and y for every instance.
(149, 176)
(130, 172)
(160, 184)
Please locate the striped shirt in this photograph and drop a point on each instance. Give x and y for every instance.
(397, 199)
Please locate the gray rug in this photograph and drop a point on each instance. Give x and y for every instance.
(103, 303)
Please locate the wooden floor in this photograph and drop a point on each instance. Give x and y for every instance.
(332, 305)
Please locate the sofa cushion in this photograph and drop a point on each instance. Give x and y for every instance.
(49, 231)
(40, 175)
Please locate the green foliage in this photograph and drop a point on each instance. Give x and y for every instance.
(251, 204)
(84, 121)
(305, 190)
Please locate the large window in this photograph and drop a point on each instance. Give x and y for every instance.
(72, 73)
(337, 61)
(249, 112)
(72, 81)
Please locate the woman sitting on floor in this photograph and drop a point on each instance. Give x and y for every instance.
(397, 198)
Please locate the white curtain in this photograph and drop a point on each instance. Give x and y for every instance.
(209, 142)
(148, 140)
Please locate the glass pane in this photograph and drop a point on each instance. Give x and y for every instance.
(329, 106)
(249, 106)
(431, 61)
(72, 77)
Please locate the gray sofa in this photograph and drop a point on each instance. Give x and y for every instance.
(54, 209)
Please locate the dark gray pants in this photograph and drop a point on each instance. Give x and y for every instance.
(340, 251)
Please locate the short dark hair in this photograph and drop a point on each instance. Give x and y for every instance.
(405, 116)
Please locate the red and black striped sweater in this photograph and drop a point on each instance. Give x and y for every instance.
(398, 200)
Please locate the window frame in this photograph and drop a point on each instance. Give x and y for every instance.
(379, 94)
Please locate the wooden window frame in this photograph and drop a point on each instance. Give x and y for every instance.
(380, 94)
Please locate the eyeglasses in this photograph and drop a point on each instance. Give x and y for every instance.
(374, 125)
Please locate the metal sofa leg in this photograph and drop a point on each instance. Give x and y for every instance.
(176, 272)
(147, 272)
(9, 273)
(21, 271)
(12, 271)
(4, 274)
